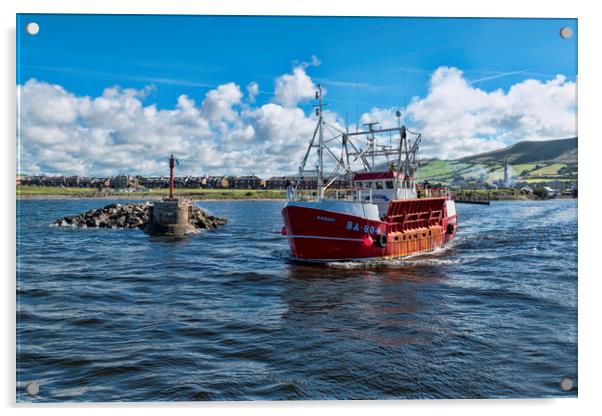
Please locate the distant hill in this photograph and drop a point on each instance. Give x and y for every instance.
(561, 150)
(529, 161)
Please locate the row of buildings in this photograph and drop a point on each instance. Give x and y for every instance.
(120, 181)
(552, 188)
(139, 182)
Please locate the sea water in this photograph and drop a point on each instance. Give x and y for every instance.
(117, 315)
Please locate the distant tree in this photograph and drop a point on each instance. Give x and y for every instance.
(540, 193)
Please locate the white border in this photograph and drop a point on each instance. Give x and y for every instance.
(590, 33)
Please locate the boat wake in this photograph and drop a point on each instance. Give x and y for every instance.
(431, 258)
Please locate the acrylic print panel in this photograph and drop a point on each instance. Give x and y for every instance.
(282, 208)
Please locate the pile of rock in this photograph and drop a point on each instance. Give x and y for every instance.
(201, 219)
(132, 216)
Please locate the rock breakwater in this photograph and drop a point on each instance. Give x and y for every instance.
(133, 216)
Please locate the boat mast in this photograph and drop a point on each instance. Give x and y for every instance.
(320, 145)
(402, 141)
(398, 167)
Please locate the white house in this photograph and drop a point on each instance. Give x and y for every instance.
(551, 192)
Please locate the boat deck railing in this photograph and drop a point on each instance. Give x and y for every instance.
(363, 195)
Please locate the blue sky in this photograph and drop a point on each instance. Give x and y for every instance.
(366, 63)
(364, 60)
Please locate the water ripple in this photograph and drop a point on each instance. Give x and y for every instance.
(116, 315)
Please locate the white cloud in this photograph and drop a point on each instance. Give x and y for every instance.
(252, 91)
(458, 119)
(313, 61)
(291, 89)
(282, 129)
(218, 103)
(386, 117)
(117, 132)
(47, 105)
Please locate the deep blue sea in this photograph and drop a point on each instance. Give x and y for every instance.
(116, 315)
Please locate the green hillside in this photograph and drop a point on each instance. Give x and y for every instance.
(530, 151)
(530, 161)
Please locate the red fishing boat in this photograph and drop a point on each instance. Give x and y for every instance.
(374, 210)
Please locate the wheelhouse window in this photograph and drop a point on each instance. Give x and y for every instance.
(379, 185)
(389, 184)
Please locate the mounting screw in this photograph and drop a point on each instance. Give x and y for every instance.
(566, 32)
(32, 28)
(32, 388)
(566, 384)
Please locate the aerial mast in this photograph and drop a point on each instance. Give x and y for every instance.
(372, 139)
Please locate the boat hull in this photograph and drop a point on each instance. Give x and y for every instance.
(315, 234)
